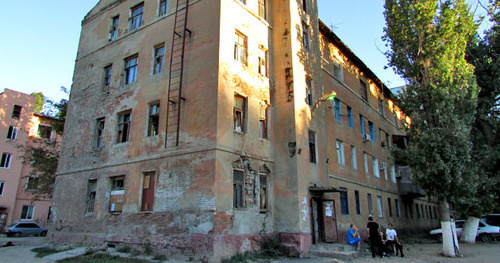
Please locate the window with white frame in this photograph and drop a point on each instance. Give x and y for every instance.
(340, 153)
(5, 162)
(306, 36)
(354, 159)
(263, 64)
(163, 8)
(379, 204)
(241, 48)
(309, 99)
(393, 173)
(365, 160)
(154, 119)
(384, 168)
(158, 59)
(12, 133)
(239, 113)
(263, 122)
(130, 73)
(27, 212)
(113, 32)
(376, 171)
(262, 9)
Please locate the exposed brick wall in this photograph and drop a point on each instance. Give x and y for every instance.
(223, 222)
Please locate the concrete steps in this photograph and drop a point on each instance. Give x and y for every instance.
(334, 250)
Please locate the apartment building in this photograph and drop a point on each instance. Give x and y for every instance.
(21, 126)
(199, 127)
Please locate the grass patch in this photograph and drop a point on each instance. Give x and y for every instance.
(45, 251)
(103, 258)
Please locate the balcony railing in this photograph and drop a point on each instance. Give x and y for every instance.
(406, 186)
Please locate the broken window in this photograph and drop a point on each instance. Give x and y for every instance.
(32, 183)
(107, 78)
(136, 18)
(154, 119)
(131, 69)
(312, 147)
(262, 8)
(263, 64)
(99, 132)
(16, 112)
(364, 91)
(239, 113)
(240, 48)
(309, 91)
(124, 120)
(113, 33)
(12, 133)
(91, 195)
(148, 191)
(238, 189)
(158, 60)
(263, 122)
(27, 212)
(44, 131)
(305, 36)
(263, 192)
(117, 194)
(5, 162)
(163, 9)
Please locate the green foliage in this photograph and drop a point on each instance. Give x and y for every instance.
(102, 258)
(428, 40)
(270, 247)
(45, 251)
(40, 101)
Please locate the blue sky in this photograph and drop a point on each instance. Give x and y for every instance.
(40, 39)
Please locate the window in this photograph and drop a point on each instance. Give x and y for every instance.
(379, 205)
(117, 194)
(262, 8)
(16, 112)
(99, 131)
(349, 116)
(393, 173)
(163, 8)
(2, 184)
(388, 139)
(304, 5)
(113, 33)
(422, 209)
(243, 1)
(91, 194)
(107, 78)
(5, 163)
(305, 36)
(358, 205)
(154, 119)
(344, 203)
(354, 159)
(365, 160)
(131, 69)
(427, 211)
(396, 123)
(263, 122)
(398, 208)
(44, 131)
(27, 212)
(376, 171)
(158, 61)
(238, 189)
(418, 211)
(340, 153)
(240, 48)
(337, 109)
(385, 170)
(309, 91)
(148, 191)
(263, 192)
(381, 106)
(32, 183)
(337, 71)
(124, 120)
(12, 133)
(389, 206)
(362, 124)
(239, 114)
(312, 147)
(263, 64)
(369, 200)
(371, 128)
(435, 213)
(136, 18)
(364, 91)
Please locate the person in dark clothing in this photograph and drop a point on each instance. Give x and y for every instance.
(374, 237)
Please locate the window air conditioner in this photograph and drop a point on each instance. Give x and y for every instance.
(381, 166)
(366, 137)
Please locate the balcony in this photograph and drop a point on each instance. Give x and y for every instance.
(406, 187)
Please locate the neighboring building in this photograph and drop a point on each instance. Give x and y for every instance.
(20, 126)
(240, 152)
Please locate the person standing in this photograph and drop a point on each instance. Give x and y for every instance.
(374, 237)
(392, 240)
(353, 237)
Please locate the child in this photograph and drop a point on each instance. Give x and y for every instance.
(392, 239)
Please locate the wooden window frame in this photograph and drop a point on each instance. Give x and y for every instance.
(239, 191)
(136, 19)
(124, 126)
(154, 119)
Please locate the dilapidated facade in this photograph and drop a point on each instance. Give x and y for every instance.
(197, 131)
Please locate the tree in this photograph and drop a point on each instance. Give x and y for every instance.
(40, 101)
(484, 55)
(427, 40)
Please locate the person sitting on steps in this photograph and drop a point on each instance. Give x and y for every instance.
(353, 237)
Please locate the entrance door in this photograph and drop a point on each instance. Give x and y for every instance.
(329, 221)
(316, 218)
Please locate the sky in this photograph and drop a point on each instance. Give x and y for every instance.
(39, 40)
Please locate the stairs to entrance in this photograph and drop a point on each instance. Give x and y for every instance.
(335, 250)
